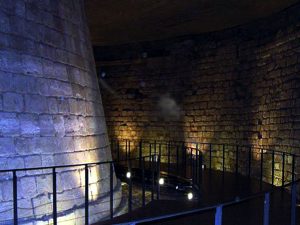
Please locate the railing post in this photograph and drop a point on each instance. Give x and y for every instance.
(200, 167)
(293, 204)
(218, 215)
(86, 205)
(249, 162)
(111, 190)
(158, 177)
(283, 164)
(15, 197)
(293, 168)
(130, 188)
(143, 182)
(223, 158)
(54, 203)
(267, 209)
(273, 166)
(153, 176)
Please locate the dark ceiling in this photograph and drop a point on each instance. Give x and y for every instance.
(114, 22)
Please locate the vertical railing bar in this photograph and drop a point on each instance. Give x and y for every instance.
(261, 165)
(273, 166)
(54, 203)
(266, 209)
(143, 182)
(111, 190)
(293, 204)
(152, 169)
(130, 188)
(200, 167)
(15, 197)
(158, 177)
(283, 165)
(293, 168)
(86, 205)
(218, 215)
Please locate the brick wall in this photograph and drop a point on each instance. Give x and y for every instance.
(236, 86)
(50, 108)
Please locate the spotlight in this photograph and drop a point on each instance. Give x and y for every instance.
(128, 175)
(161, 181)
(190, 196)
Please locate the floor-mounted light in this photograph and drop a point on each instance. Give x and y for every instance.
(161, 181)
(128, 175)
(190, 196)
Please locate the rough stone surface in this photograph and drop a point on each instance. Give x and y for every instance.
(237, 86)
(48, 95)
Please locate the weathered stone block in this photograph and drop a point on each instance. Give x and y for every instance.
(28, 186)
(46, 125)
(29, 124)
(6, 146)
(9, 124)
(13, 102)
(36, 104)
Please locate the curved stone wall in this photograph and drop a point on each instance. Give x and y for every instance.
(236, 86)
(50, 110)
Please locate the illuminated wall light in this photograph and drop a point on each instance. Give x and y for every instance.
(176, 187)
(161, 181)
(190, 196)
(203, 167)
(128, 175)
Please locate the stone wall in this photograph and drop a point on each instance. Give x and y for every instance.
(50, 110)
(236, 86)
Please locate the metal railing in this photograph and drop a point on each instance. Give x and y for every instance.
(279, 165)
(188, 158)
